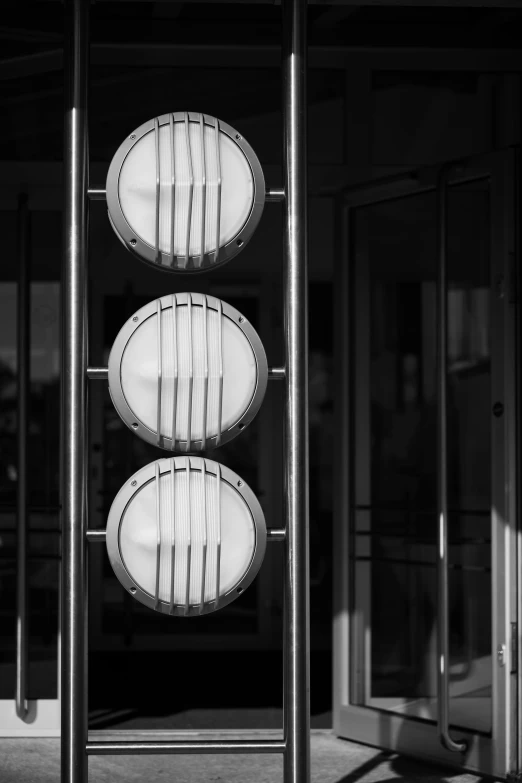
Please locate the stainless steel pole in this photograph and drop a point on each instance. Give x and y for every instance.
(297, 633)
(179, 747)
(23, 391)
(442, 468)
(74, 670)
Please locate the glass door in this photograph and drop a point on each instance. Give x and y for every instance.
(387, 606)
(29, 639)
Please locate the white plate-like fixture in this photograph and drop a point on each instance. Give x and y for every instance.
(185, 536)
(185, 192)
(187, 372)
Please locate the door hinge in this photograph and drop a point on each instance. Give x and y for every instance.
(514, 648)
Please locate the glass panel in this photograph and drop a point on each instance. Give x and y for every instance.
(395, 459)
(44, 523)
(424, 117)
(469, 454)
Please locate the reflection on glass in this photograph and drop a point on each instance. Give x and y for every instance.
(395, 419)
(44, 524)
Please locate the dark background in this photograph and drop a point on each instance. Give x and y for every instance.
(369, 117)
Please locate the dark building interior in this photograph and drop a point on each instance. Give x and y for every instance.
(394, 92)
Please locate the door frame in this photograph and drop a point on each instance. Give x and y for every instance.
(495, 754)
(43, 717)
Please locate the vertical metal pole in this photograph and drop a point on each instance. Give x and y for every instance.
(297, 634)
(23, 346)
(74, 670)
(442, 468)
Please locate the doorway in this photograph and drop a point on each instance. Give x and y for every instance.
(36, 669)
(385, 616)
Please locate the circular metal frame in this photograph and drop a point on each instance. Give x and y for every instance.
(160, 259)
(150, 311)
(129, 490)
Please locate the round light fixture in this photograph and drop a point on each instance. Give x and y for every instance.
(185, 192)
(185, 536)
(187, 372)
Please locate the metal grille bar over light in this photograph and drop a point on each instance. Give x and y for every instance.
(185, 536)
(185, 192)
(187, 372)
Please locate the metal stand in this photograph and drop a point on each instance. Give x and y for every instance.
(74, 378)
(295, 745)
(297, 641)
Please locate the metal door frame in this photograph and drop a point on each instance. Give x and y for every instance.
(494, 755)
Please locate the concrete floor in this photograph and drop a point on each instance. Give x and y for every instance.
(333, 761)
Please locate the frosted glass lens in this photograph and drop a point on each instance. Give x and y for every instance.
(137, 188)
(138, 537)
(139, 372)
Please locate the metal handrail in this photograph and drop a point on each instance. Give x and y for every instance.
(129, 747)
(23, 341)
(443, 677)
